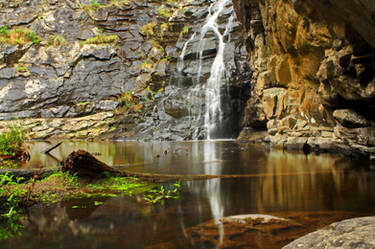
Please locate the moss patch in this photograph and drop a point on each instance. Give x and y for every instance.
(102, 39)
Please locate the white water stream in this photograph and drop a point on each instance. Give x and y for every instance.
(212, 89)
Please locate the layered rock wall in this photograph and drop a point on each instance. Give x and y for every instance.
(112, 59)
(314, 65)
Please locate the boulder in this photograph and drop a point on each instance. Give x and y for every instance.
(347, 234)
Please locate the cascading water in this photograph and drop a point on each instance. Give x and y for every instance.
(211, 90)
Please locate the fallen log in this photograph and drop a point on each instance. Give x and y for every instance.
(47, 151)
(82, 163)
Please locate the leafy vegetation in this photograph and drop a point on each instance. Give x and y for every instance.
(164, 11)
(163, 28)
(22, 69)
(94, 4)
(10, 205)
(12, 141)
(102, 39)
(161, 194)
(130, 103)
(186, 30)
(19, 36)
(148, 29)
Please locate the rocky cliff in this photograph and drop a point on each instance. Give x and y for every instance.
(313, 85)
(80, 68)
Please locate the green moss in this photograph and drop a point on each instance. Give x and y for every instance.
(118, 3)
(102, 39)
(83, 103)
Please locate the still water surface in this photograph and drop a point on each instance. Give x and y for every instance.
(312, 190)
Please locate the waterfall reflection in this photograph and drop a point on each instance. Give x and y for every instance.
(313, 188)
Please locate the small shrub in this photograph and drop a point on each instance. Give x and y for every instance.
(129, 103)
(165, 12)
(163, 28)
(11, 141)
(56, 41)
(102, 39)
(148, 29)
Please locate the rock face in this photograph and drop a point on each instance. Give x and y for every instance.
(93, 52)
(313, 80)
(347, 234)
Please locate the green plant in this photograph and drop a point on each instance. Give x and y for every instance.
(163, 28)
(69, 179)
(182, 11)
(164, 11)
(94, 4)
(161, 194)
(57, 41)
(186, 30)
(118, 3)
(9, 221)
(102, 39)
(11, 141)
(22, 69)
(148, 29)
(19, 36)
(147, 66)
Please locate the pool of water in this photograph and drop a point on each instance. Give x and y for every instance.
(310, 190)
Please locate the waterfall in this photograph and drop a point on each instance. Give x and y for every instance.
(211, 91)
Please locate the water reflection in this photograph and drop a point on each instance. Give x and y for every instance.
(313, 190)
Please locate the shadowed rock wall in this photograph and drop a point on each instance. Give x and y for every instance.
(314, 68)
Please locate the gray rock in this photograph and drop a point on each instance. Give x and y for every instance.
(357, 233)
(7, 73)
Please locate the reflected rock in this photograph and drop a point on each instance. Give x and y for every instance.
(245, 231)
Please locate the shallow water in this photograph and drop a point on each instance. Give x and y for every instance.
(312, 190)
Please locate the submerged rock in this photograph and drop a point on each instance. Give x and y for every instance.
(245, 231)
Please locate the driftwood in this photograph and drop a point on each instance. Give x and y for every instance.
(82, 163)
(47, 151)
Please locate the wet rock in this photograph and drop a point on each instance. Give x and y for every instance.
(175, 108)
(350, 118)
(347, 234)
